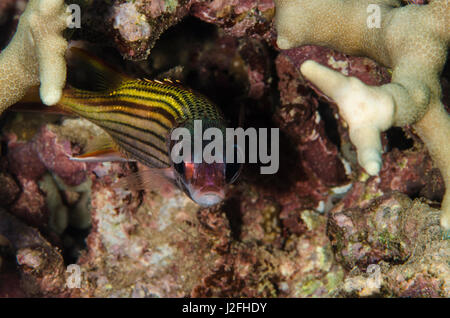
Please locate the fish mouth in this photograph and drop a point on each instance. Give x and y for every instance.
(208, 197)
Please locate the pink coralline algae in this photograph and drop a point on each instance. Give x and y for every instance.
(30, 206)
(23, 159)
(28, 161)
(46, 152)
(408, 172)
(238, 18)
(10, 189)
(136, 26)
(319, 163)
(57, 160)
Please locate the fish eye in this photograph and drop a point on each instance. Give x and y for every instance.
(232, 171)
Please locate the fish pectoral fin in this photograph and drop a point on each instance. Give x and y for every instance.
(100, 142)
(102, 155)
(148, 179)
(101, 148)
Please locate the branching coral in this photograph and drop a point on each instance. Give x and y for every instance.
(411, 40)
(35, 54)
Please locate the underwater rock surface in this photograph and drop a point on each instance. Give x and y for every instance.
(320, 227)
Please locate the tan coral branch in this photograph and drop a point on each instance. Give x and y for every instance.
(35, 54)
(413, 40)
(434, 130)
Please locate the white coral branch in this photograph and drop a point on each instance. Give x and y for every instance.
(368, 110)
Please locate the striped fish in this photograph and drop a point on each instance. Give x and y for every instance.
(139, 116)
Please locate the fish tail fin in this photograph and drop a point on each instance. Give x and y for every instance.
(31, 103)
(104, 76)
(32, 96)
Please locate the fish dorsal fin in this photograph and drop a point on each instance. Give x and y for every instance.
(105, 76)
(164, 81)
(157, 81)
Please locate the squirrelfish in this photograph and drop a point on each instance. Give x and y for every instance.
(139, 116)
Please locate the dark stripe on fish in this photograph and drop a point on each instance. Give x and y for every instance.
(118, 135)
